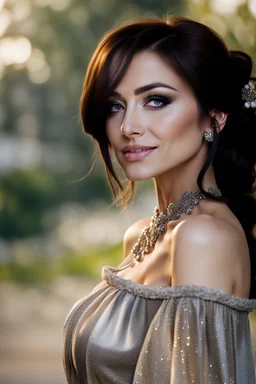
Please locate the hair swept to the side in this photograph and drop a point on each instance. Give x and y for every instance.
(215, 74)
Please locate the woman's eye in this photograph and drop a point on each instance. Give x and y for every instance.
(157, 101)
(114, 107)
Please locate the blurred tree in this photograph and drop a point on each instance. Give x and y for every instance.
(39, 102)
(24, 197)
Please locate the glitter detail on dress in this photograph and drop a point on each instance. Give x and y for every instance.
(126, 333)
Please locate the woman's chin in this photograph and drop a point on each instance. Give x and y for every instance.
(138, 177)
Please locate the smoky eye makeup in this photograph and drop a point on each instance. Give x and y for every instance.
(151, 101)
(156, 101)
(113, 106)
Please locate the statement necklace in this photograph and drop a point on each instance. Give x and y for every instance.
(158, 223)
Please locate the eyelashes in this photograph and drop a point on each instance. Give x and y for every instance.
(157, 101)
(113, 107)
(150, 102)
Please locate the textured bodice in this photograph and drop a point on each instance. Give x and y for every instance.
(128, 333)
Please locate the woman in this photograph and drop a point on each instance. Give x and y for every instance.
(167, 101)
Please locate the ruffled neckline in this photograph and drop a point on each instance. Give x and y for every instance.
(194, 291)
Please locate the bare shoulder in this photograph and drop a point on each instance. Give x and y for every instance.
(132, 233)
(205, 228)
(208, 251)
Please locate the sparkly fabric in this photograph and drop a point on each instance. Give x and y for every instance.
(128, 333)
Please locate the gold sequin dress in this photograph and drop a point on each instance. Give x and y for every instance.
(128, 333)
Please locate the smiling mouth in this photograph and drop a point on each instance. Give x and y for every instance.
(137, 154)
(138, 150)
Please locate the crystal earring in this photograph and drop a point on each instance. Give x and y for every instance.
(249, 94)
(208, 136)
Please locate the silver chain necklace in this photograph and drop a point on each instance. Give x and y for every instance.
(158, 223)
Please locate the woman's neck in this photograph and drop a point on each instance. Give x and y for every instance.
(170, 188)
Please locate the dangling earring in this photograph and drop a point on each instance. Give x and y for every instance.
(208, 136)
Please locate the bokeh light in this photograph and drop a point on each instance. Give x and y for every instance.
(22, 10)
(225, 6)
(40, 76)
(252, 7)
(59, 5)
(36, 60)
(1, 3)
(14, 50)
(5, 20)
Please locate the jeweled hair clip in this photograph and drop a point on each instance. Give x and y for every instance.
(249, 94)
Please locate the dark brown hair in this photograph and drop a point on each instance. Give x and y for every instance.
(216, 76)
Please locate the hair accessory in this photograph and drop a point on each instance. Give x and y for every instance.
(158, 223)
(208, 136)
(249, 94)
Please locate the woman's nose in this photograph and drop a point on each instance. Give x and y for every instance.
(132, 124)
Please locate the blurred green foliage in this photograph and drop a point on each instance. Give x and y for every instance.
(40, 272)
(24, 196)
(27, 197)
(90, 263)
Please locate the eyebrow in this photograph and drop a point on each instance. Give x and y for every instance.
(147, 87)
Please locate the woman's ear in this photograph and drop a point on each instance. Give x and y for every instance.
(220, 117)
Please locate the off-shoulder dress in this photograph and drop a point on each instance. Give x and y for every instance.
(129, 333)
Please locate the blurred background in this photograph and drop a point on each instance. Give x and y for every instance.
(57, 227)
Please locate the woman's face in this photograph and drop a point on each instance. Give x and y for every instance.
(153, 123)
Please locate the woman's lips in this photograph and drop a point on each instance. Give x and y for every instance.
(133, 154)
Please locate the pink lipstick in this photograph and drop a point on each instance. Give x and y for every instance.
(137, 152)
